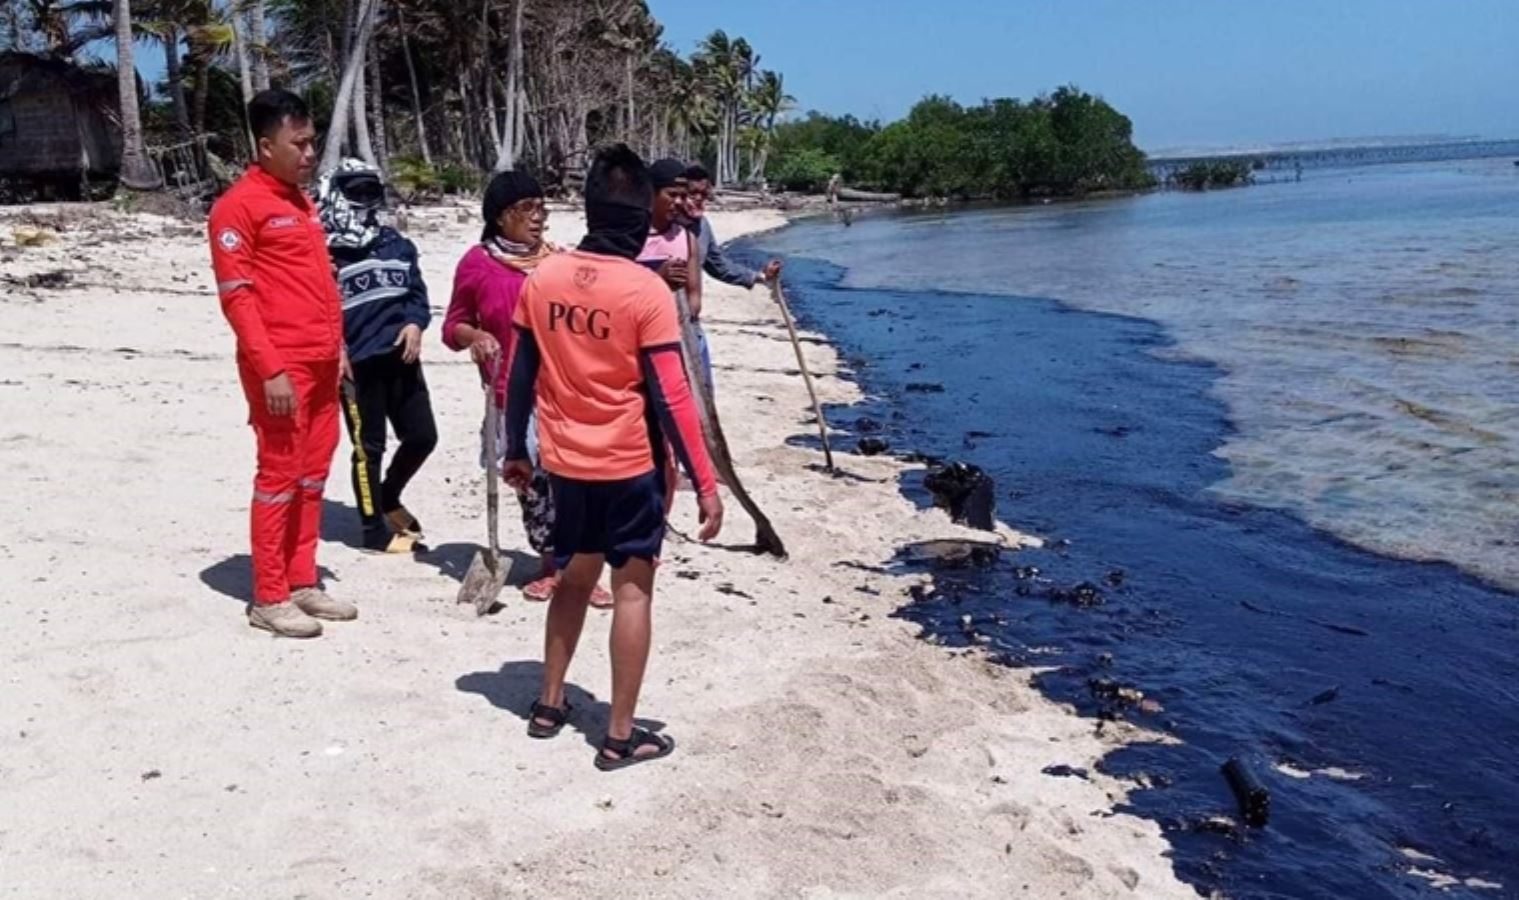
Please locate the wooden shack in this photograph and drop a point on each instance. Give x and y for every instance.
(59, 129)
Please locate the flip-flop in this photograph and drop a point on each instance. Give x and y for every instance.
(400, 545)
(541, 590)
(556, 714)
(627, 751)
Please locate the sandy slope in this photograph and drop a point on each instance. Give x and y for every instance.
(151, 744)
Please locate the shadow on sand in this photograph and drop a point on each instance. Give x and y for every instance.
(515, 686)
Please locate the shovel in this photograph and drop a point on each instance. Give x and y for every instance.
(486, 576)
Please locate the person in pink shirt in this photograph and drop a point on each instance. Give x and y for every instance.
(671, 252)
(487, 286)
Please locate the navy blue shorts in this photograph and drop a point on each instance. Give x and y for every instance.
(622, 520)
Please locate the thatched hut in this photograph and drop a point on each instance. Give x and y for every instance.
(59, 128)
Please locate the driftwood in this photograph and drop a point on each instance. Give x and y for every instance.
(765, 539)
(836, 192)
(855, 196)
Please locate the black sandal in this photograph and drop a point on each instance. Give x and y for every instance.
(555, 714)
(627, 751)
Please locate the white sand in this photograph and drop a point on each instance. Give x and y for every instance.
(152, 744)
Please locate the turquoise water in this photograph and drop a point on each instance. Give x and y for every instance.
(1366, 322)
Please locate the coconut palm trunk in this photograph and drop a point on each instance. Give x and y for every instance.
(137, 170)
(416, 91)
(353, 68)
(240, 48)
(381, 136)
(364, 142)
(258, 41)
(174, 73)
(511, 141)
(244, 72)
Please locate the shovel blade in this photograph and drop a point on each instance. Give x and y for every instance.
(483, 583)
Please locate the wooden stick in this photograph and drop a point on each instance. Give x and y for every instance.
(766, 540)
(780, 300)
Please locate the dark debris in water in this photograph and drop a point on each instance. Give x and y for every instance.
(1326, 696)
(1336, 627)
(966, 491)
(1084, 595)
(1115, 693)
(1224, 826)
(1389, 683)
(872, 446)
(1249, 791)
(951, 554)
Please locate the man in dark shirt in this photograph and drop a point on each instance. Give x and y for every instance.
(713, 262)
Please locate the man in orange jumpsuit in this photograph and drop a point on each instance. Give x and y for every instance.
(277, 290)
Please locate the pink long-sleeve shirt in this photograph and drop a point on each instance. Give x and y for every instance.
(485, 297)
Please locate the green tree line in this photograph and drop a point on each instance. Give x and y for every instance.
(1064, 144)
(438, 91)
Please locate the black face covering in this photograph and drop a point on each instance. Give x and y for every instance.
(615, 228)
(618, 200)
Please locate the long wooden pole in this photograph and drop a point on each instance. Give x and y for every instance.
(780, 300)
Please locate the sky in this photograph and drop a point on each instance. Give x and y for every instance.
(1189, 73)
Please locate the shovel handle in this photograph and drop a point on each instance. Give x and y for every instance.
(492, 465)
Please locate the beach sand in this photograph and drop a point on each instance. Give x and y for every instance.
(152, 744)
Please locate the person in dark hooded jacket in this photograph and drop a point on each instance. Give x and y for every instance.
(385, 310)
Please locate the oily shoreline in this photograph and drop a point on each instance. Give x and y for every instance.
(1122, 473)
(823, 747)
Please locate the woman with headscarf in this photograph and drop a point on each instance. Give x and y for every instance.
(487, 286)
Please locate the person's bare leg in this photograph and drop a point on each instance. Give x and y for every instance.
(566, 617)
(632, 626)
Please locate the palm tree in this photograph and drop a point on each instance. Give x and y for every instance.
(512, 83)
(630, 29)
(693, 108)
(208, 37)
(513, 134)
(137, 170)
(418, 116)
(258, 44)
(353, 69)
(151, 20)
(718, 62)
(175, 75)
(768, 101)
(55, 20)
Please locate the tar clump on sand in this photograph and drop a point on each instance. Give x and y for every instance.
(966, 492)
